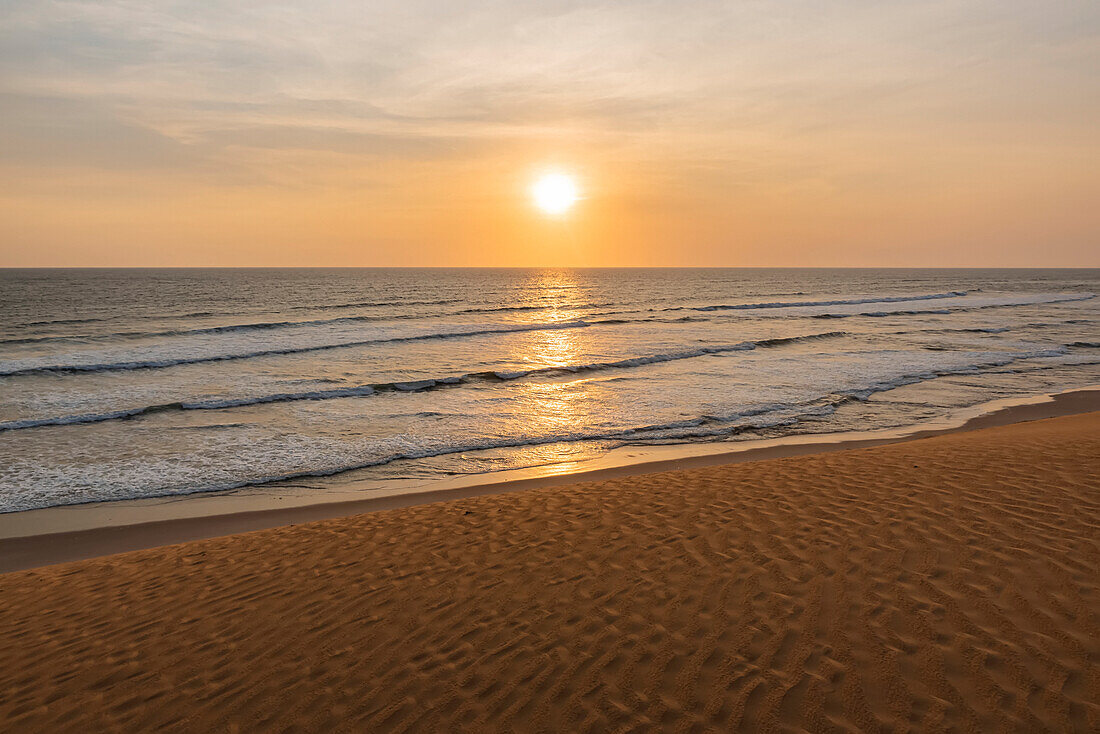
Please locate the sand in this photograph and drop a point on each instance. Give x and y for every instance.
(947, 583)
(70, 533)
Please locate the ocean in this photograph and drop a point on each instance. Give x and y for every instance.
(123, 384)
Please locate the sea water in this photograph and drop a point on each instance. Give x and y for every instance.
(120, 384)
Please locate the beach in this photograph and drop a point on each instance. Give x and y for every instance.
(942, 583)
(549, 367)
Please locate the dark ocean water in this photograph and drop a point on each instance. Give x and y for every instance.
(134, 383)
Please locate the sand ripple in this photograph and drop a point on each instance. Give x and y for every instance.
(942, 584)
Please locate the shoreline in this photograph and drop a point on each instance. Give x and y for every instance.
(48, 536)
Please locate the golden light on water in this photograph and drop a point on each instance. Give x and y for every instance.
(553, 404)
(555, 348)
(555, 193)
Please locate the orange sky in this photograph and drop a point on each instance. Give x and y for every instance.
(708, 133)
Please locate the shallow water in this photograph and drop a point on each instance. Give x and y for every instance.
(118, 384)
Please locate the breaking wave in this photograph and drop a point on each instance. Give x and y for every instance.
(703, 427)
(842, 302)
(161, 363)
(411, 385)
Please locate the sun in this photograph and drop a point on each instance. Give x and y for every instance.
(555, 193)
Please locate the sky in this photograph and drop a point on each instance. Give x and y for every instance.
(329, 133)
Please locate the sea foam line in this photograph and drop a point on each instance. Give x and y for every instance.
(688, 428)
(262, 325)
(843, 302)
(160, 363)
(411, 385)
(959, 309)
(273, 325)
(224, 329)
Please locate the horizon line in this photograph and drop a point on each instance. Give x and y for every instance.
(549, 267)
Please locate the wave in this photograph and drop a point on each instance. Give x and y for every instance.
(668, 357)
(882, 314)
(640, 434)
(161, 363)
(543, 307)
(225, 328)
(362, 318)
(960, 309)
(704, 427)
(284, 324)
(973, 368)
(373, 304)
(1023, 369)
(990, 329)
(62, 321)
(796, 304)
(303, 307)
(977, 330)
(411, 385)
(266, 325)
(38, 339)
(228, 328)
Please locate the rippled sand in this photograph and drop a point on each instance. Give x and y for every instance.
(945, 583)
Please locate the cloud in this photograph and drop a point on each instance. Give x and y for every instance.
(212, 71)
(693, 101)
(63, 132)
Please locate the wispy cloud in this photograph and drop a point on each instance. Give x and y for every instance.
(750, 91)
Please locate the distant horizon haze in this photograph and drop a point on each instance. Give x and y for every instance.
(550, 267)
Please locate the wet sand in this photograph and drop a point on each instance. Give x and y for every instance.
(946, 583)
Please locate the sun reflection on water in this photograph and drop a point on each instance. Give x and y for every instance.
(552, 296)
(554, 405)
